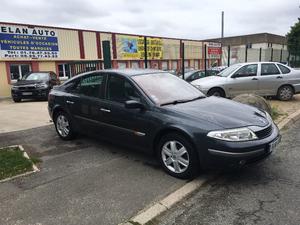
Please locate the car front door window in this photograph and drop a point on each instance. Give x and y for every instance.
(246, 71)
(120, 90)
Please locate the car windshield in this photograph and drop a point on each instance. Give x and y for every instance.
(36, 76)
(164, 88)
(188, 74)
(229, 70)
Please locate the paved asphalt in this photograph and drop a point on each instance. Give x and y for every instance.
(85, 181)
(265, 194)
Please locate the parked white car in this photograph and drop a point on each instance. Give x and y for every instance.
(261, 78)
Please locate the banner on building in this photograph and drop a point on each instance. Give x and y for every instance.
(133, 47)
(24, 42)
(214, 50)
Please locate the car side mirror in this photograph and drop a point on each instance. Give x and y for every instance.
(132, 104)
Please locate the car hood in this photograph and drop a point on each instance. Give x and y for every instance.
(209, 81)
(222, 112)
(28, 82)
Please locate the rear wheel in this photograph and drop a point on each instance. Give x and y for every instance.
(63, 126)
(177, 156)
(218, 92)
(285, 93)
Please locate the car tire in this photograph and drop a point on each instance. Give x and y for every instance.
(63, 126)
(17, 99)
(218, 92)
(285, 93)
(177, 156)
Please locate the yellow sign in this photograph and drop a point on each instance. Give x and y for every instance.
(133, 48)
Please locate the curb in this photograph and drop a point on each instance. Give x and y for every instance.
(34, 167)
(148, 214)
(288, 121)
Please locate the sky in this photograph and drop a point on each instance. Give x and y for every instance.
(189, 19)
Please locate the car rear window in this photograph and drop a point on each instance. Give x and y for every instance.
(283, 69)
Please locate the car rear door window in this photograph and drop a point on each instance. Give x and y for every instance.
(246, 71)
(269, 69)
(91, 85)
(283, 69)
(121, 90)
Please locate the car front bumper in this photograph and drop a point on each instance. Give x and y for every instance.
(232, 154)
(30, 94)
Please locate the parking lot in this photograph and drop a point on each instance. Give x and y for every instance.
(21, 116)
(85, 181)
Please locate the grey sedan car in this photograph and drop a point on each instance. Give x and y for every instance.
(261, 78)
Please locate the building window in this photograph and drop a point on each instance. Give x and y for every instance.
(17, 71)
(164, 65)
(134, 65)
(269, 45)
(64, 70)
(186, 63)
(196, 64)
(122, 65)
(174, 65)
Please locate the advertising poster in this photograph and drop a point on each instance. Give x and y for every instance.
(24, 42)
(214, 50)
(133, 48)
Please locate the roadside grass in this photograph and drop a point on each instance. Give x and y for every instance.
(12, 162)
(275, 113)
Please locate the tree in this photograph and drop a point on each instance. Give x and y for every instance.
(293, 41)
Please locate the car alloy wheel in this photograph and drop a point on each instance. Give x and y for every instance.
(175, 156)
(285, 93)
(62, 125)
(178, 156)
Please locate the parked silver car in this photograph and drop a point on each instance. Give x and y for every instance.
(261, 78)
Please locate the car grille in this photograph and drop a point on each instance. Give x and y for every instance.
(264, 132)
(26, 88)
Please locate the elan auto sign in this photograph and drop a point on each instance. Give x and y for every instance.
(25, 42)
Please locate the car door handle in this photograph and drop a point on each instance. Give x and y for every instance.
(254, 79)
(279, 77)
(105, 110)
(70, 102)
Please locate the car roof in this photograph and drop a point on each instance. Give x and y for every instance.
(41, 72)
(133, 72)
(124, 72)
(247, 63)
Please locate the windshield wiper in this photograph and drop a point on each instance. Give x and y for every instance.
(182, 101)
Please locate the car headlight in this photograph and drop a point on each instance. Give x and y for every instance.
(43, 85)
(238, 134)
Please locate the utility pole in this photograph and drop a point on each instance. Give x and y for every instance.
(222, 27)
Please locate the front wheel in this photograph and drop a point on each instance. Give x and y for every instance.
(63, 126)
(216, 92)
(285, 93)
(177, 156)
(16, 99)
